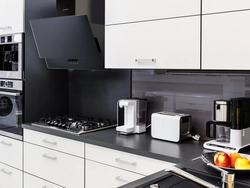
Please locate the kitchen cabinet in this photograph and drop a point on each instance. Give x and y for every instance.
(32, 182)
(54, 159)
(10, 177)
(11, 152)
(122, 167)
(158, 44)
(111, 177)
(226, 41)
(162, 35)
(125, 11)
(11, 16)
(216, 6)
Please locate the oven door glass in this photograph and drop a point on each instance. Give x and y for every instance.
(10, 113)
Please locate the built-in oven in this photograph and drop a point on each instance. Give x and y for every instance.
(11, 108)
(11, 56)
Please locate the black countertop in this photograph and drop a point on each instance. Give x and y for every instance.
(139, 144)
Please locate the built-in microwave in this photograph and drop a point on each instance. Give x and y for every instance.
(11, 56)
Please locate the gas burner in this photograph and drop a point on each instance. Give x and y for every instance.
(75, 124)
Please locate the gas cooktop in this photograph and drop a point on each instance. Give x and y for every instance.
(74, 124)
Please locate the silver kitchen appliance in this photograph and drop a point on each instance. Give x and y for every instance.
(11, 108)
(230, 128)
(131, 116)
(11, 56)
(170, 126)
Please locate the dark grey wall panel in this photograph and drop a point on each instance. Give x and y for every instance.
(45, 91)
(95, 93)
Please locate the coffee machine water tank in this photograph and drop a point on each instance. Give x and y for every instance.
(131, 116)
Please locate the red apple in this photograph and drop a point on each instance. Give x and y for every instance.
(222, 159)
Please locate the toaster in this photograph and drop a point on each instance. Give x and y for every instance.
(170, 126)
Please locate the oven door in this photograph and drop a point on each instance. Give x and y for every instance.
(11, 114)
(11, 56)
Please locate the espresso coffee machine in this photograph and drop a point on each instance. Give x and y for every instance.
(131, 116)
(230, 127)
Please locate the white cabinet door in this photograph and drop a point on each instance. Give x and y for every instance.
(126, 161)
(11, 152)
(213, 6)
(124, 11)
(226, 41)
(57, 167)
(109, 176)
(10, 177)
(11, 16)
(34, 182)
(54, 142)
(161, 44)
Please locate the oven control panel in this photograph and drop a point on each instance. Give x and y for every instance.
(7, 84)
(11, 84)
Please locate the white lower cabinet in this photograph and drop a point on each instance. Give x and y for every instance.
(116, 167)
(111, 177)
(34, 182)
(60, 168)
(11, 152)
(10, 177)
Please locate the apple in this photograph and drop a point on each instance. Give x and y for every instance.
(222, 159)
(233, 156)
(242, 163)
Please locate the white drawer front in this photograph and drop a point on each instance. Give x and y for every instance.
(131, 162)
(34, 182)
(54, 142)
(10, 177)
(213, 6)
(111, 177)
(59, 168)
(123, 11)
(162, 44)
(11, 152)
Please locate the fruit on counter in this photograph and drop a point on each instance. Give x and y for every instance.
(242, 163)
(233, 156)
(222, 159)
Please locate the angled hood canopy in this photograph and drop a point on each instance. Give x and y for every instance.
(69, 42)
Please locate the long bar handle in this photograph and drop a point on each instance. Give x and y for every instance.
(49, 157)
(125, 162)
(146, 61)
(49, 142)
(6, 144)
(118, 178)
(6, 172)
(7, 27)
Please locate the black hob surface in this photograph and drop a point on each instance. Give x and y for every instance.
(74, 124)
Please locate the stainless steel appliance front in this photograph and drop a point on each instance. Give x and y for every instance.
(11, 108)
(11, 56)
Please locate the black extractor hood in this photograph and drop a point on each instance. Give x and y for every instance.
(69, 42)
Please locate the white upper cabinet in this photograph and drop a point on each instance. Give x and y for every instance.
(124, 11)
(226, 41)
(213, 6)
(11, 16)
(159, 44)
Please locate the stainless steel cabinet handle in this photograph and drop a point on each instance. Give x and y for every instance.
(118, 178)
(6, 144)
(6, 172)
(44, 187)
(7, 27)
(49, 157)
(49, 142)
(125, 162)
(145, 61)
